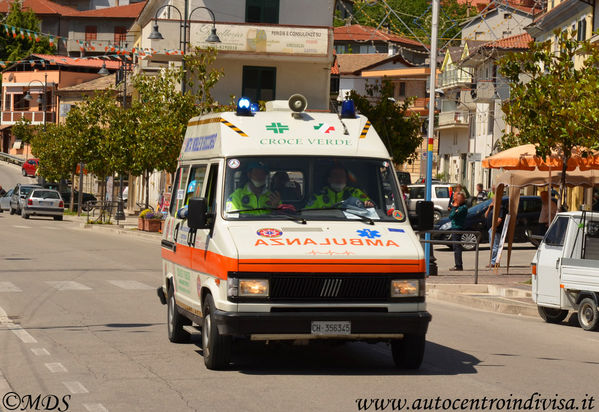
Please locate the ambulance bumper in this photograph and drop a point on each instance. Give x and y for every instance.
(297, 325)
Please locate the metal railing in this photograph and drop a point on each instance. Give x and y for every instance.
(455, 242)
(11, 159)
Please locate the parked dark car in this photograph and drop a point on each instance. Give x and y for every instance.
(404, 178)
(88, 199)
(529, 210)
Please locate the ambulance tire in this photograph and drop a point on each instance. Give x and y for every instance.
(175, 321)
(588, 316)
(409, 351)
(216, 347)
(552, 315)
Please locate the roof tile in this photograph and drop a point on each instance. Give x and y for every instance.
(357, 32)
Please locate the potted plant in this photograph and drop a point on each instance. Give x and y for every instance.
(150, 221)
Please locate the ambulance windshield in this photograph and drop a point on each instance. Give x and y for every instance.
(311, 188)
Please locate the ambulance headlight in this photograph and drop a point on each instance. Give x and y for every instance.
(407, 288)
(248, 288)
(244, 107)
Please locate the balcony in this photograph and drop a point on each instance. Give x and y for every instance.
(451, 119)
(458, 77)
(33, 117)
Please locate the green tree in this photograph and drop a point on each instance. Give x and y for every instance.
(554, 98)
(416, 14)
(17, 47)
(399, 129)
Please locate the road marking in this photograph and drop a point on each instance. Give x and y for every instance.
(16, 329)
(40, 351)
(4, 386)
(21, 333)
(75, 387)
(21, 227)
(55, 367)
(95, 407)
(67, 285)
(131, 285)
(9, 287)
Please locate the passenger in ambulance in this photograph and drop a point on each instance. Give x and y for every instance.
(338, 191)
(288, 190)
(254, 194)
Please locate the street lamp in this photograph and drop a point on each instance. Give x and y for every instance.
(42, 98)
(184, 24)
(103, 71)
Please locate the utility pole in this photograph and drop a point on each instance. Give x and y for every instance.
(120, 212)
(431, 121)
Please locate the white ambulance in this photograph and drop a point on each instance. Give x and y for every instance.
(289, 225)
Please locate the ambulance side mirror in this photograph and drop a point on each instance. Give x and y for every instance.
(425, 212)
(197, 214)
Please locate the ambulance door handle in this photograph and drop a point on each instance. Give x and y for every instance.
(557, 262)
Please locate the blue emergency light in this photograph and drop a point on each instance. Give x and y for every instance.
(348, 109)
(255, 107)
(244, 107)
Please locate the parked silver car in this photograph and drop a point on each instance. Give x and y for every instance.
(440, 195)
(5, 201)
(43, 202)
(19, 194)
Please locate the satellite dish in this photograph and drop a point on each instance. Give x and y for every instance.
(298, 103)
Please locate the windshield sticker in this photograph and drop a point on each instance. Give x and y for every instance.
(325, 128)
(325, 242)
(393, 229)
(277, 127)
(233, 163)
(370, 234)
(180, 194)
(397, 214)
(269, 232)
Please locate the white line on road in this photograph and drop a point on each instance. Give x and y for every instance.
(95, 407)
(67, 285)
(40, 351)
(55, 367)
(130, 285)
(9, 287)
(21, 227)
(75, 387)
(16, 329)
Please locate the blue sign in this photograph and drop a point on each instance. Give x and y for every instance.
(197, 144)
(392, 229)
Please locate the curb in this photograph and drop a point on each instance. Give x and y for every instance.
(120, 230)
(490, 298)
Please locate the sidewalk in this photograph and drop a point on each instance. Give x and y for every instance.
(126, 227)
(496, 291)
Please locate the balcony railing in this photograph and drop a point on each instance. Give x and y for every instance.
(33, 117)
(453, 119)
(455, 77)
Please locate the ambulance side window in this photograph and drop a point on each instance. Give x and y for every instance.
(195, 183)
(210, 193)
(179, 189)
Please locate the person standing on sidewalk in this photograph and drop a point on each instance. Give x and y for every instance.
(458, 214)
(498, 230)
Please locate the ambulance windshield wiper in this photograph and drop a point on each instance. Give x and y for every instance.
(272, 209)
(344, 209)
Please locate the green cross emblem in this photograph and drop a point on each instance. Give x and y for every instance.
(277, 127)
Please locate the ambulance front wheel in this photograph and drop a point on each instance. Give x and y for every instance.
(216, 347)
(409, 351)
(175, 321)
(552, 315)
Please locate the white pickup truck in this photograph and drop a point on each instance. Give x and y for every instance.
(565, 269)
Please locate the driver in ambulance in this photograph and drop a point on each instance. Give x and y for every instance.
(254, 194)
(338, 191)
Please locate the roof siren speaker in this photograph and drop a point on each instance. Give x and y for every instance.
(298, 103)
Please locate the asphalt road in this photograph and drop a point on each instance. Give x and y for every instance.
(80, 318)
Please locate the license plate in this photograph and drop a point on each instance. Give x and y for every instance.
(42, 203)
(331, 328)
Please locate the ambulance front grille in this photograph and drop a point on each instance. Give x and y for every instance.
(341, 287)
